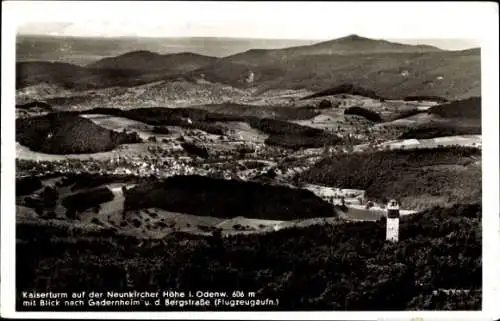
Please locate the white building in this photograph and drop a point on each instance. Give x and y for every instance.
(392, 233)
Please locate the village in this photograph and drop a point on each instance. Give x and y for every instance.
(279, 170)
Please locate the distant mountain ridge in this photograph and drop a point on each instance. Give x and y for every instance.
(390, 69)
(144, 60)
(85, 50)
(467, 108)
(352, 44)
(69, 76)
(357, 44)
(130, 69)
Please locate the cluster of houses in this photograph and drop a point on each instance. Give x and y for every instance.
(337, 196)
(138, 166)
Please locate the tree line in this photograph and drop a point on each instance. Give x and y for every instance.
(322, 267)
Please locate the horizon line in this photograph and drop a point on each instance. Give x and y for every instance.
(315, 40)
(163, 37)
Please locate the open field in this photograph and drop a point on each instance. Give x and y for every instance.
(462, 140)
(131, 150)
(121, 123)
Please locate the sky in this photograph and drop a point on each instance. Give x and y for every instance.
(449, 25)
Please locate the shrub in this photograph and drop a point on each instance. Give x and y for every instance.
(359, 111)
(195, 150)
(27, 185)
(203, 228)
(136, 223)
(325, 104)
(161, 130)
(82, 201)
(426, 98)
(50, 215)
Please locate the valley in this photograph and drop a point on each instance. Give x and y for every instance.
(261, 167)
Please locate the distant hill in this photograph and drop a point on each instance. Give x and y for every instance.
(460, 117)
(42, 91)
(130, 69)
(70, 76)
(390, 69)
(173, 93)
(472, 51)
(467, 108)
(85, 50)
(412, 176)
(349, 45)
(145, 61)
(356, 44)
(240, 74)
(66, 133)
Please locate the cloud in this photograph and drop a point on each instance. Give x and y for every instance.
(44, 28)
(313, 20)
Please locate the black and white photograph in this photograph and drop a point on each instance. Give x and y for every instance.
(249, 156)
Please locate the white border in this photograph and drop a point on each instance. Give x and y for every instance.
(491, 211)
(490, 162)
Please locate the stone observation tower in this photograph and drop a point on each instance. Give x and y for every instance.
(392, 221)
